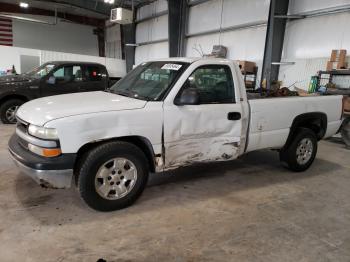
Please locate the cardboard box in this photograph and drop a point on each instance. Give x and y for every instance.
(336, 65)
(331, 65)
(338, 55)
(346, 101)
(342, 65)
(247, 66)
(249, 84)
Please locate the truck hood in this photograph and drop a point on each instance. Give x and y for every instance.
(14, 79)
(42, 110)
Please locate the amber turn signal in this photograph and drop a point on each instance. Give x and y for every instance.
(46, 152)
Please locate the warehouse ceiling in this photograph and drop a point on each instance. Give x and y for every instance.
(89, 8)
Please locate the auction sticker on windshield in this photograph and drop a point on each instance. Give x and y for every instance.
(171, 67)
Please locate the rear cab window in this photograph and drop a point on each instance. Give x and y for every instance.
(95, 73)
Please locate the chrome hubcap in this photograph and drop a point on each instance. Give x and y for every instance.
(304, 151)
(11, 113)
(115, 178)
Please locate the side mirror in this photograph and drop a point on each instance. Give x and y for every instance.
(189, 96)
(51, 80)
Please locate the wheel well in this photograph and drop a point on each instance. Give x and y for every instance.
(141, 142)
(315, 121)
(8, 97)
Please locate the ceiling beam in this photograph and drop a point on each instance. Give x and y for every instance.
(96, 6)
(11, 8)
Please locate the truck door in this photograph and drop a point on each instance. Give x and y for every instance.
(64, 79)
(210, 130)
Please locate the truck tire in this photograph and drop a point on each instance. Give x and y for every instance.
(8, 110)
(112, 176)
(301, 152)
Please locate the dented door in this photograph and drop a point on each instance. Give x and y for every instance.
(209, 131)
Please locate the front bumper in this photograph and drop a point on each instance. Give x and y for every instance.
(54, 172)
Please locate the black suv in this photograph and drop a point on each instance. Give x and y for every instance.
(52, 78)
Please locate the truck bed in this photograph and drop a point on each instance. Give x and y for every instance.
(271, 118)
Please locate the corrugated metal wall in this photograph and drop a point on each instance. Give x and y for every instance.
(243, 44)
(152, 30)
(308, 42)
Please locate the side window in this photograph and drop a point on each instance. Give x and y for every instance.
(77, 73)
(59, 73)
(68, 73)
(94, 73)
(214, 83)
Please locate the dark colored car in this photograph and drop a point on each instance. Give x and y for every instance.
(52, 78)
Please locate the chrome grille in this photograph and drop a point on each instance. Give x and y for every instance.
(22, 125)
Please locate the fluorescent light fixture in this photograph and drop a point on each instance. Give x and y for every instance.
(23, 4)
(109, 1)
(283, 63)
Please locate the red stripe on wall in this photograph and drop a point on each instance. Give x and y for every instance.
(5, 20)
(5, 40)
(6, 30)
(5, 25)
(5, 35)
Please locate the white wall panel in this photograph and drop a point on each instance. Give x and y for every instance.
(317, 36)
(149, 52)
(151, 30)
(151, 9)
(300, 73)
(113, 41)
(207, 16)
(300, 6)
(12, 56)
(63, 37)
(245, 44)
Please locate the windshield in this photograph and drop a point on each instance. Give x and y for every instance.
(149, 81)
(40, 71)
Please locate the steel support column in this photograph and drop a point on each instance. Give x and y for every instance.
(178, 12)
(274, 40)
(129, 44)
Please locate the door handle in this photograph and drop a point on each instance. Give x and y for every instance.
(234, 116)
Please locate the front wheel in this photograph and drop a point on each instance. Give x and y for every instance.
(8, 110)
(112, 176)
(301, 153)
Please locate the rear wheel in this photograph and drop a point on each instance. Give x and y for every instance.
(8, 110)
(301, 152)
(112, 176)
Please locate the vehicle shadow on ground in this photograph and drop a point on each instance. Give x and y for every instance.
(184, 186)
(338, 140)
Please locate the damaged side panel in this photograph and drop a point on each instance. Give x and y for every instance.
(200, 133)
(200, 150)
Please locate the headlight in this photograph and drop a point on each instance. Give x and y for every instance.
(42, 132)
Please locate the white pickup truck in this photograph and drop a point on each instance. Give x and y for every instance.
(163, 115)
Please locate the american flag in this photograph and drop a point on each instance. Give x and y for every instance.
(6, 37)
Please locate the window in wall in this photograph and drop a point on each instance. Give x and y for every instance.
(214, 83)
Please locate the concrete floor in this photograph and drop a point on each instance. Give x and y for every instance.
(248, 210)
